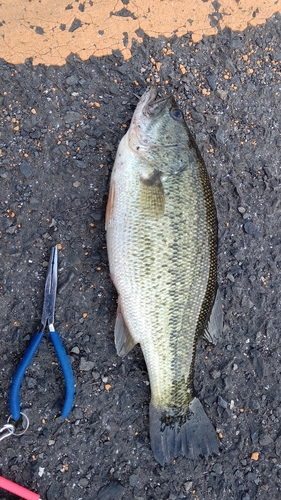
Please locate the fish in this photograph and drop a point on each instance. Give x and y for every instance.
(161, 232)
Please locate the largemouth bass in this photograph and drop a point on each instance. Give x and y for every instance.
(162, 247)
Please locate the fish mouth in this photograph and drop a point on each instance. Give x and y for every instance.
(154, 106)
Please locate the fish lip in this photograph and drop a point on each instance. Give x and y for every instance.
(152, 95)
(152, 103)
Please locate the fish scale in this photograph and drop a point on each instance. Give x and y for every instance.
(162, 246)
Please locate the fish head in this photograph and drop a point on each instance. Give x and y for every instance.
(158, 132)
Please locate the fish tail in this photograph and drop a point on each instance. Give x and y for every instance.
(190, 435)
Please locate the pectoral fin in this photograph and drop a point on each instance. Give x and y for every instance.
(110, 205)
(124, 341)
(152, 194)
(213, 331)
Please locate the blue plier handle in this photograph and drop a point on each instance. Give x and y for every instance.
(47, 317)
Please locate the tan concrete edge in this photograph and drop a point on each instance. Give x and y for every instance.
(50, 30)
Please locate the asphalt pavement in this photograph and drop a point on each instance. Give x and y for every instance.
(59, 131)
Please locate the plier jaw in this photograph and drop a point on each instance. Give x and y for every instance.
(48, 312)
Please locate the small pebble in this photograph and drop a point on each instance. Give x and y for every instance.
(31, 382)
(75, 350)
(218, 469)
(251, 229)
(198, 117)
(222, 134)
(11, 229)
(95, 375)
(71, 80)
(222, 94)
(25, 168)
(86, 365)
(73, 116)
(112, 491)
(230, 277)
(212, 79)
(265, 440)
(188, 486)
(41, 471)
(215, 374)
(133, 480)
(80, 164)
(83, 482)
(222, 402)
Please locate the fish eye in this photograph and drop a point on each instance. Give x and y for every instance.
(176, 114)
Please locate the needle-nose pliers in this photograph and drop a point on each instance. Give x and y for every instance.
(47, 317)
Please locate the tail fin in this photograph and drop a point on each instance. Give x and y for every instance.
(190, 435)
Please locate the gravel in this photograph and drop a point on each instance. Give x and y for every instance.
(59, 130)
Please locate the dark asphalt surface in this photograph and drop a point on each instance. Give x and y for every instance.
(59, 131)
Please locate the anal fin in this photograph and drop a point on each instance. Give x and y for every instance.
(124, 341)
(213, 330)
